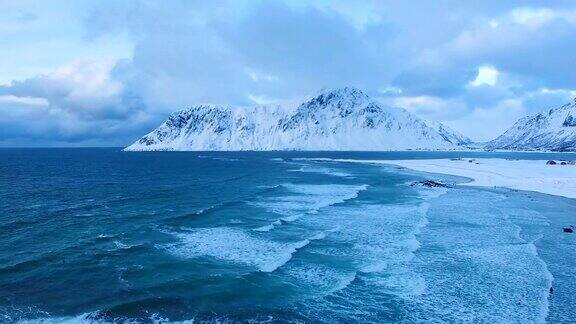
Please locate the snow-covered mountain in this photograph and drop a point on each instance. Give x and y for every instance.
(554, 130)
(340, 119)
(449, 134)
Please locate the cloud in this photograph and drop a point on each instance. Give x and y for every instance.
(424, 106)
(273, 49)
(496, 111)
(499, 117)
(446, 61)
(32, 101)
(531, 42)
(77, 103)
(82, 89)
(487, 75)
(535, 18)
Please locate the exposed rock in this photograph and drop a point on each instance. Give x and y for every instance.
(429, 184)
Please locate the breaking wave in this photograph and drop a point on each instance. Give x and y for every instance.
(306, 199)
(236, 246)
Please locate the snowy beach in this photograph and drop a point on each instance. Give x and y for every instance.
(530, 175)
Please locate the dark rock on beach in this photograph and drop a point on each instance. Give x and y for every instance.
(429, 184)
(561, 162)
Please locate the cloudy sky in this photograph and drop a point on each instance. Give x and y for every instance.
(102, 73)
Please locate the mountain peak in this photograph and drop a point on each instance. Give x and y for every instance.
(335, 119)
(342, 93)
(553, 130)
(347, 98)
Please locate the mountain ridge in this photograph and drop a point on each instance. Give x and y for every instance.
(551, 130)
(333, 120)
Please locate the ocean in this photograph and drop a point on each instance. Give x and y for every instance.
(101, 235)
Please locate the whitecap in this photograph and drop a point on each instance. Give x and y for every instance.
(311, 198)
(105, 236)
(267, 228)
(322, 170)
(123, 246)
(380, 239)
(306, 199)
(289, 219)
(85, 318)
(321, 279)
(495, 274)
(236, 246)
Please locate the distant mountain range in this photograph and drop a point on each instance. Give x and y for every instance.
(344, 119)
(553, 130)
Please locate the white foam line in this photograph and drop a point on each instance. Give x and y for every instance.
(326, 171)
(545, 304)
(287, 256)
(269, 227)
(290, 253)
(343, 284)
(236, 246)
(290, 219)
(83, 318)
(311, 191)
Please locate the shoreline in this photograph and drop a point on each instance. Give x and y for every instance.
(526, 175)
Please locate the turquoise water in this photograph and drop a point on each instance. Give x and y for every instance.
(100, 235)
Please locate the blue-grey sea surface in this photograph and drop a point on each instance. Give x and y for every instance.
(101, 235)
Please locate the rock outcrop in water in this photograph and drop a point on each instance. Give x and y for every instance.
(340, 119)
(554, 130)
(429, 184)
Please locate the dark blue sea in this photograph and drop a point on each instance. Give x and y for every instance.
(101, 235)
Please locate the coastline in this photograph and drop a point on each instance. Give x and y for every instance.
(527, 175)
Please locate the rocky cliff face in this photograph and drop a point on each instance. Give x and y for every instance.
(340, 119)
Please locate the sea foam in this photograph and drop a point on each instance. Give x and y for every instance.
(495, 275)
(380, 241)
(306, 199)
(322, 170)
(236, 246)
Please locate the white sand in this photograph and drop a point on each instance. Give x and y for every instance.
(530, 175)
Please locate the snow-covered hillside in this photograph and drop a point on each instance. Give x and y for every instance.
(340, 119)
(554, 130)
(449, 134)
